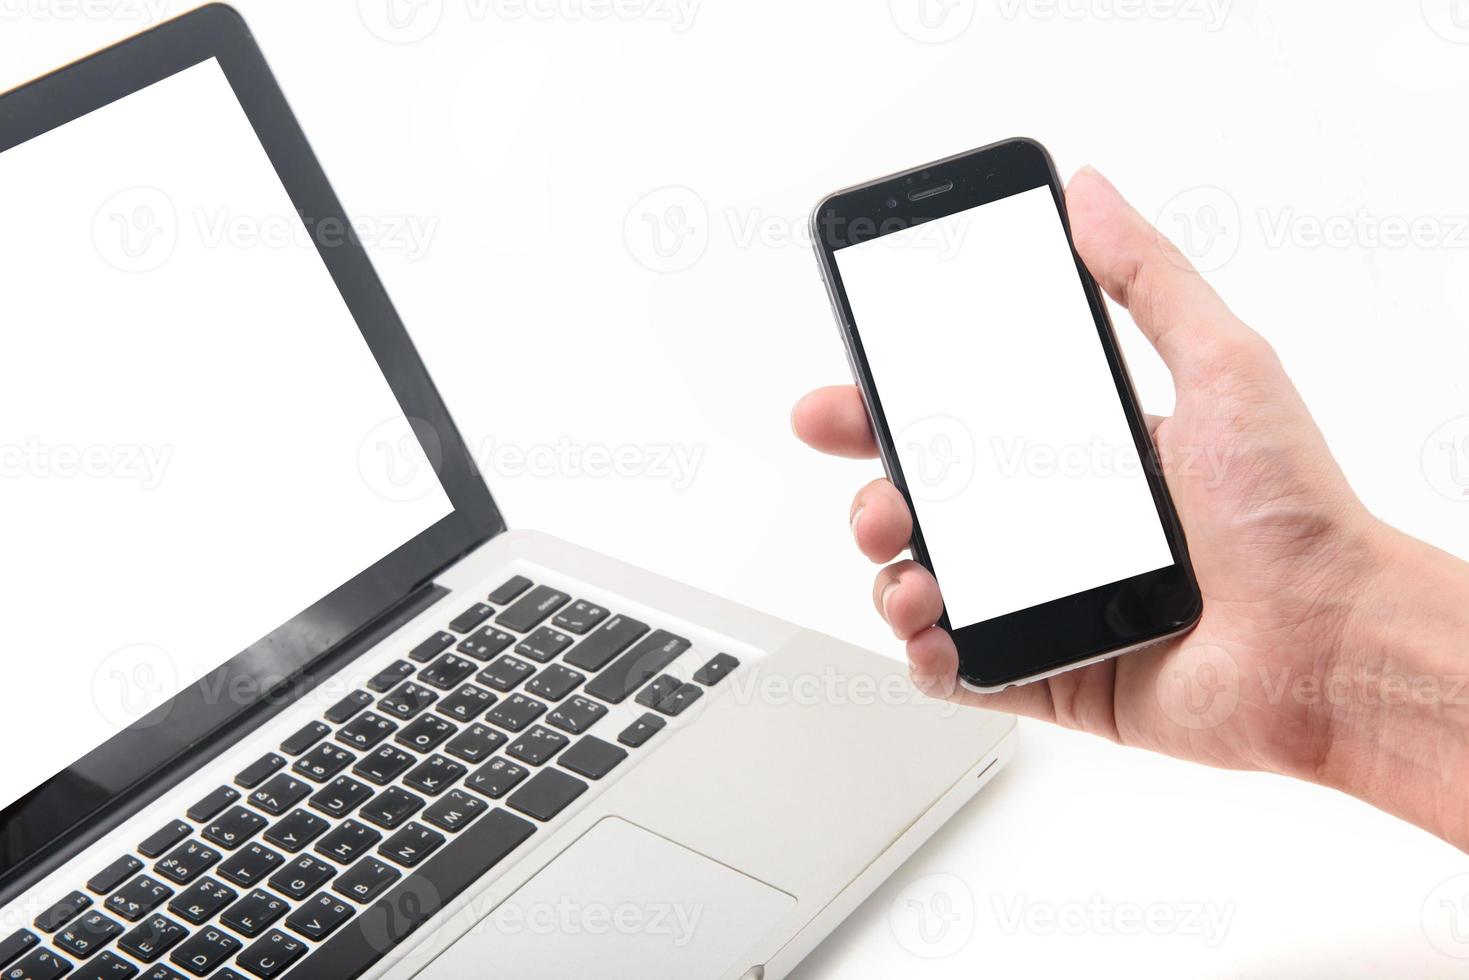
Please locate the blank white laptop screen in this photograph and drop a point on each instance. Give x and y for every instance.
(191, 424)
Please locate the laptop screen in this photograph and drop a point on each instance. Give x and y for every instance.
(196, 441)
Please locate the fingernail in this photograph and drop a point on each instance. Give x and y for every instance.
(887, 593)
(852, 522)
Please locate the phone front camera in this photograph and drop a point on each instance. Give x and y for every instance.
(892, 202)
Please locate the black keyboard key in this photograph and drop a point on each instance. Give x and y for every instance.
(341, 796)
(411, 845)
(391, 807)
(144, 893)
(41, 964)
(384, 765)
(485, 643)
(152, 937)
(347, 708)
(201, 900)
(204, 950)
(555, 682)
(319, 917)
(537, 745)
(513, 587)
(547, 793)
(302, 876)
(432, 647)
(114, 874)
(233, 827)
(580, 617)
(543, 645)
(434, 775)
(407, 700)
(251, 864)
(576, 715)
(663, 685)
(676, 703)
(108, 966)
(516, 712)
(254, 913)
(187, 861)
(323, 762)
(163, 838)
(347, 841)
(280, 792)
(254, 774)
(453, 810)
(87, 934)
(390, 676)
(640, 731)
(648, 658)
(531, 609)
(307, 736)
(466, 703)
(295, 831)
(212, 804)
(271, 955)
(597, 650)
(365, 731)
(366, 880)
(496, 778)
(716, 670)
(591, 757)
(471, 617)
(505, 673)
(62, 912)
(370, 936)
(448, 672)
(425, 734)
(16, 943)
(476, 743)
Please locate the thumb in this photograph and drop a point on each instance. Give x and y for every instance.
(1181, 315)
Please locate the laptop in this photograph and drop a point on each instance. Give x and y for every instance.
(285, 696)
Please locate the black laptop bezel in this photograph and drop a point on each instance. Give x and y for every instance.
(114, 777)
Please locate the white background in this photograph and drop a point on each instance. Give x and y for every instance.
(992, 339)
(529, 142)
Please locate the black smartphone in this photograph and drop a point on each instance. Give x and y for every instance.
(1005, 415)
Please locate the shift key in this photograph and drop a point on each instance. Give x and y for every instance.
(634, 669)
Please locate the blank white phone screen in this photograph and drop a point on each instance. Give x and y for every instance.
(1025, 478)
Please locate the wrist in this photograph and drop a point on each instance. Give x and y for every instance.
(1396, 708)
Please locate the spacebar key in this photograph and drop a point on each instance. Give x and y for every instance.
(388, 921)
(633, 669)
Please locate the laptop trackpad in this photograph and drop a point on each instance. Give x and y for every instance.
(620, 902)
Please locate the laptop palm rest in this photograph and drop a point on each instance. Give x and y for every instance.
(619, 902)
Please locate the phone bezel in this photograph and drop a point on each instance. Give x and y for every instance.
(1071, 630)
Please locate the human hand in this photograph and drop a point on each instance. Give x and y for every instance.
(1298, 579)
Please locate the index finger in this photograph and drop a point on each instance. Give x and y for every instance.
(834, 420)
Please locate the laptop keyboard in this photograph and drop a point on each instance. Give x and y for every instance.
(327, 852)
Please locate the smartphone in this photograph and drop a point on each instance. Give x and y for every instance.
(1004, 414)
